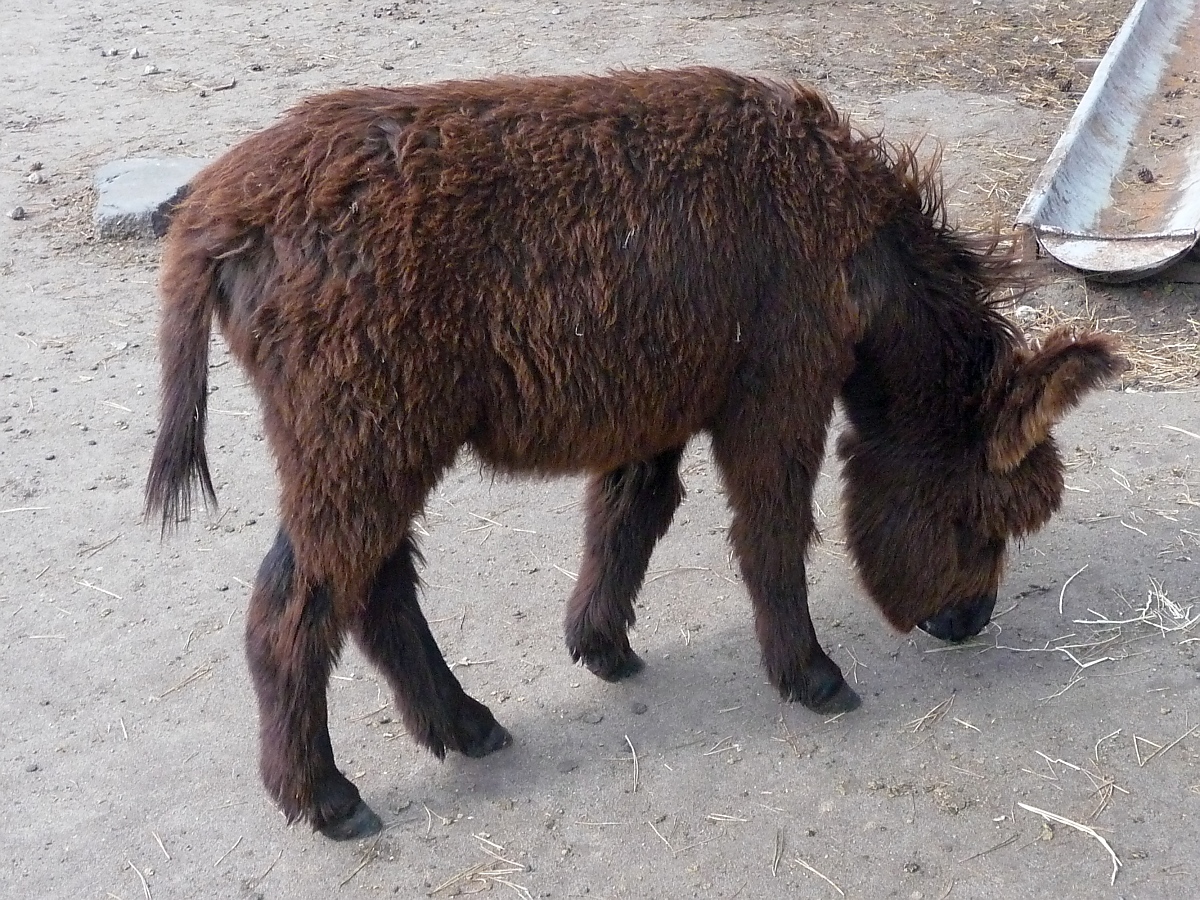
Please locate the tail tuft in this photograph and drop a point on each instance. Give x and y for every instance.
(180, 462)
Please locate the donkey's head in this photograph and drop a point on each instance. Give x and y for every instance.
(928, 524)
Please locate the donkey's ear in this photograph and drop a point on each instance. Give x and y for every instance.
(1047, 383)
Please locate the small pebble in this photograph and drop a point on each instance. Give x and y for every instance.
(135, 53)
(413, 44)
(35, 166)
(36, 178)
(49, 456)
(17, 213)
(637, 707)
(1145, 175)
(150, 70)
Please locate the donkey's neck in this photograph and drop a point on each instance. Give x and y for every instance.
(929, 339)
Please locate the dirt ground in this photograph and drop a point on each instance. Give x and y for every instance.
(127, 722)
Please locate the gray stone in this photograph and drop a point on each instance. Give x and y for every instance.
(134, 197)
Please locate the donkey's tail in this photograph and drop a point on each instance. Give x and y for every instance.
(180, 462)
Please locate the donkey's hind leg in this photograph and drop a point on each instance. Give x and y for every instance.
(627, 511)
(292, 640)
(395, 636)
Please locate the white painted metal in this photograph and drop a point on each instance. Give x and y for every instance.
(1119, 198)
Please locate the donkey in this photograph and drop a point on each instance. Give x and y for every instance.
(578, 274)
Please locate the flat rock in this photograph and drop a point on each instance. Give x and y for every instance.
(134, 196)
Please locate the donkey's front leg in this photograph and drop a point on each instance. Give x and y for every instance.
(793, 657)
(771, 495)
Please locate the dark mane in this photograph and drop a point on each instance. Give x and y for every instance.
(944, 289)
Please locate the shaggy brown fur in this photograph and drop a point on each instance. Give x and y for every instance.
(579, 274)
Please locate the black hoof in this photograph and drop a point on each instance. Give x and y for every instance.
(818, 686)
(494, 740)
(843, 700)
(609, 669)
(360, 823)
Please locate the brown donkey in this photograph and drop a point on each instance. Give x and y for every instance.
(578, 274)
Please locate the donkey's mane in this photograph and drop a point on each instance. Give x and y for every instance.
(932, 299)
(990, 264)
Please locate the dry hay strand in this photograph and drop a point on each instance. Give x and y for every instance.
(820, 875)
(1086, 829)
(930, 718)
(484, 875)
(1159, 360)
(369, 854)
(1103, 785)
(637, 766)
(1159, 749)
(996, 192)
(1106, 639)
(142, 878)
(777, 857)
(676, 851)
(1160, 613)
(1112, 639)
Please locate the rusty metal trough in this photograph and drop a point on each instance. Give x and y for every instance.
(1119, 198)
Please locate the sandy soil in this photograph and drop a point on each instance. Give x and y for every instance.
(127, 723)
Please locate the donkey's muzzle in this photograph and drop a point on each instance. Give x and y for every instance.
(962, 620)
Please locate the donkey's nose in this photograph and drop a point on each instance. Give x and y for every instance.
(962, 620)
